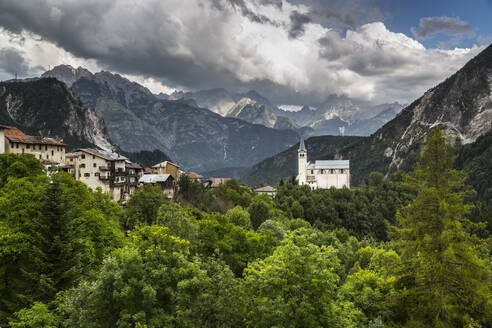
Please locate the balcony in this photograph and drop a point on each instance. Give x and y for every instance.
(105, 177)
(104, 168)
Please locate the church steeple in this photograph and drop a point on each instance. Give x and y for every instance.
(302, 147)
(301, 162)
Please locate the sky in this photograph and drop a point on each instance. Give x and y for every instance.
(294, 52)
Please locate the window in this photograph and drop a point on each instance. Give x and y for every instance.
(96, 174)
(83, 156)
(47, 156)
(28, 146)
(341, 171)
(17, 145)
(332, 171)
(45, 147)
(39, 156)
(93, 156)
(11, 145)
(40, 147)
(82, 166)
(87, 174)
(94, 165)
(23, 150)
(52, 153)
(312, 171)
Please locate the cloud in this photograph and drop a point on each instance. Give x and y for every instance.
(298, 20)
(12, 62)
(219, 43)
(431, 26)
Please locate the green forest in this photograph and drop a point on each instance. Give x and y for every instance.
(408, 250)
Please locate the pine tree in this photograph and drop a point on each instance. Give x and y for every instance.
(443, 281)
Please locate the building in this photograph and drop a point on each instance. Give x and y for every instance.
(111, 172)
(2, 138)
(192, 175)
(47, 150)
(267, 190)
(166, 182)
(214, 182)
(322, 174)
(167, 167)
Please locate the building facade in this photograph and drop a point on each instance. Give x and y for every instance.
(113, 173)
(48, 150)
(322, 174)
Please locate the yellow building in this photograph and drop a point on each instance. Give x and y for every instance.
(167, 167)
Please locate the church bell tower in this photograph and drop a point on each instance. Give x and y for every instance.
(302, 163)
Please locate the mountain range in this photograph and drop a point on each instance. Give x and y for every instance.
(337, 115)
(461, 106)
(195, 137)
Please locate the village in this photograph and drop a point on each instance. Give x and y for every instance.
(117, 176)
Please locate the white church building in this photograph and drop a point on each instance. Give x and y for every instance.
(322, 174)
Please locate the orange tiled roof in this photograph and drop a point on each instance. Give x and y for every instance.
(15, 135)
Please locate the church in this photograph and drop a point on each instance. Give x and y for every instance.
(322, 174)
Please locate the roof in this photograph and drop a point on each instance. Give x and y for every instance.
(164, 164)
(335, 164)
(154, 178)
(301, 145)
(15, 135)
(193, 175)
(147, 170)
(69, 155)
(104, 154)
(95, 153)
(266, 189)
(131, 165)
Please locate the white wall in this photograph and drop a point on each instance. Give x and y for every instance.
(2, 141)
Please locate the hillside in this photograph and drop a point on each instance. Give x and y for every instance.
(47, 107)
(461, 106)
(284, 165)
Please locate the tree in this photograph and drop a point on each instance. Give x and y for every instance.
(239, 217)
(53, 231)
(294, 287)
(259, 212)
(443, 281)
(143, 206)
(18, 166)
(149, 283)
(178, 220)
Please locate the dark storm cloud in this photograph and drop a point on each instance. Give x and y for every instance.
(430, 26)
(12, 62)
(237, 44)
(250, 14)
(298, 20)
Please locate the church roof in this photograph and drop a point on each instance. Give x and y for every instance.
(335, 164)
(301, 145)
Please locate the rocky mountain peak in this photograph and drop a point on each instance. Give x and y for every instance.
(67, 74)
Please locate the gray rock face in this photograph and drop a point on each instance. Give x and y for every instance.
(195, 137)
(67, 74)
(47, 107)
